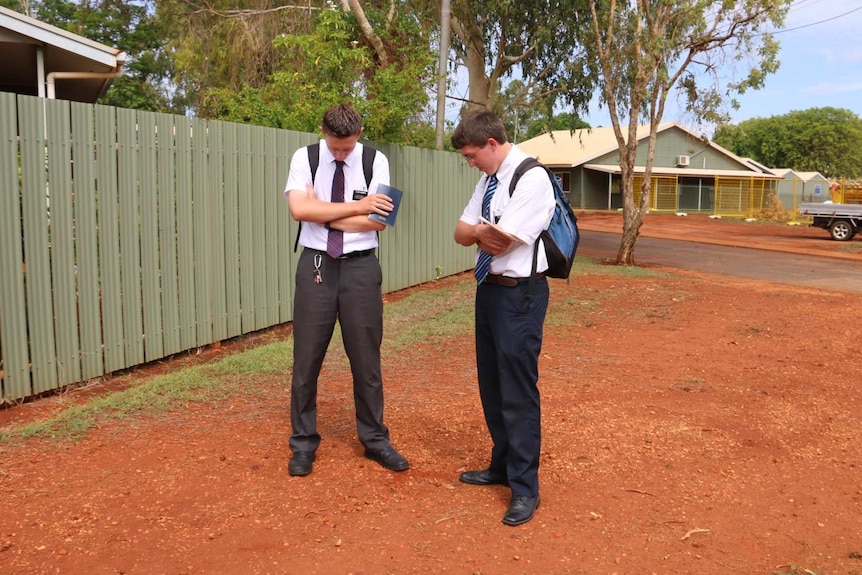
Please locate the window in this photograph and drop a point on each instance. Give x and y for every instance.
(565, 180)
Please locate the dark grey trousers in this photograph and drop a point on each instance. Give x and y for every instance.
(351, 294)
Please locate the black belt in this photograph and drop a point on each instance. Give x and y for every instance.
(509, 282)
(350, 256)
(359, 254)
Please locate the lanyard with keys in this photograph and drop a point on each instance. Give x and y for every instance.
(318, 278)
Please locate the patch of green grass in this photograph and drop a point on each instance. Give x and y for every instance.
(268, 359)
(851, 247)
(158, 395)
(591, 267)
(429, 315)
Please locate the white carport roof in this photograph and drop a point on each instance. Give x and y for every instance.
(39, 59)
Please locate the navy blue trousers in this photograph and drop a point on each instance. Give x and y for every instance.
(509, 323)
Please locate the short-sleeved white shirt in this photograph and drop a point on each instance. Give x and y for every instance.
(314, 235)
(525, 214)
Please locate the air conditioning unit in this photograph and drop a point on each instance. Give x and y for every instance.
(682, 160)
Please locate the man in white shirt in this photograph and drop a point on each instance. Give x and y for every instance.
(338, 277)
(511, 303)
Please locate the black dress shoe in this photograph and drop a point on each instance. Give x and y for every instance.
(484, 477)
(300, 463)
(388, 458)
(521, 509)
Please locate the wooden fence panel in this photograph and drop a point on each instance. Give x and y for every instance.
(166, 175)
(109, 238)
(216, 241)
(86, 241)
(154, 336)
(14, 349)
(233, 295)
(185, 234)
(62, 242)
(257, 199)
(130, 248)
(202, 204)
(36, 226)
(246, 232)
(271, 201)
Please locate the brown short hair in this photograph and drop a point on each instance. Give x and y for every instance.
(476, 127)
(341, 121)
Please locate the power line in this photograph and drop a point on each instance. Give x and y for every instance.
(819, 22)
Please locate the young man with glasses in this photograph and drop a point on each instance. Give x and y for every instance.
(510, 305)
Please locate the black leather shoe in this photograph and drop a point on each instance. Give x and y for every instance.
(388, 458)
(521, 509)
(300, 463)
(484, 477)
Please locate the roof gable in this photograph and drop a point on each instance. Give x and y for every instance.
(564, 148)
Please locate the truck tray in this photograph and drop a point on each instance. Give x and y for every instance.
(827, 210)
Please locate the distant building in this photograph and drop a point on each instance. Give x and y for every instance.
(42, 60)
(690, 173)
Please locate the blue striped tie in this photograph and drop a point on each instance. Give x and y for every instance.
(483, 263)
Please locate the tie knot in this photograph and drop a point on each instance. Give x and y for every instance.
(339, 163)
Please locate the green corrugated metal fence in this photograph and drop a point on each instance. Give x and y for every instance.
(129, 236)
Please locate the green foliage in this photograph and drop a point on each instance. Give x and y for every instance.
(565, 121)
(825, 140)
(334, 63)
(226, 45)
(532, 40)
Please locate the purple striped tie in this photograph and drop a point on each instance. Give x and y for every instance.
(483, 262)
(335, 241)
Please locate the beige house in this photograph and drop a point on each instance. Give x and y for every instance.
(42, 60)
(690, 173)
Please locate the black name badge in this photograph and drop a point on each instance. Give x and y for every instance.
(359, 194)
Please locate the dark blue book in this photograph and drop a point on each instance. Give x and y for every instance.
(393, 193)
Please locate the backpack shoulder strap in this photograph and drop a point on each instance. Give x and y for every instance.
(313, 159)
(525, 166)
(313, 163)
(368, 154)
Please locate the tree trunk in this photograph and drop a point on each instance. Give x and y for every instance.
(631, 232)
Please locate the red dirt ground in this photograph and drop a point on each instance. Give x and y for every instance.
(692, 424)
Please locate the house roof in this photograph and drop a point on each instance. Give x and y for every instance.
(787, 173)
(39, 59)
(575, 148)
(806, 176)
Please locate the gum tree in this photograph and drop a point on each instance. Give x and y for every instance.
(647, 49)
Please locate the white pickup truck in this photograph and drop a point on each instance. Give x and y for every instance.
(842, 221)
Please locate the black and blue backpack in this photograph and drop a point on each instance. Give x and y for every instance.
(561, 236)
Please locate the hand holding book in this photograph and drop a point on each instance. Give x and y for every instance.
(497, 241)
(395, 195)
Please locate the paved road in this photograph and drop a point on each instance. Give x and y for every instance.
(779, 267)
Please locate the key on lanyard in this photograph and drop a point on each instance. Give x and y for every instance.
(318, 259)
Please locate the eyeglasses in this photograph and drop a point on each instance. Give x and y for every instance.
(471, 158)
